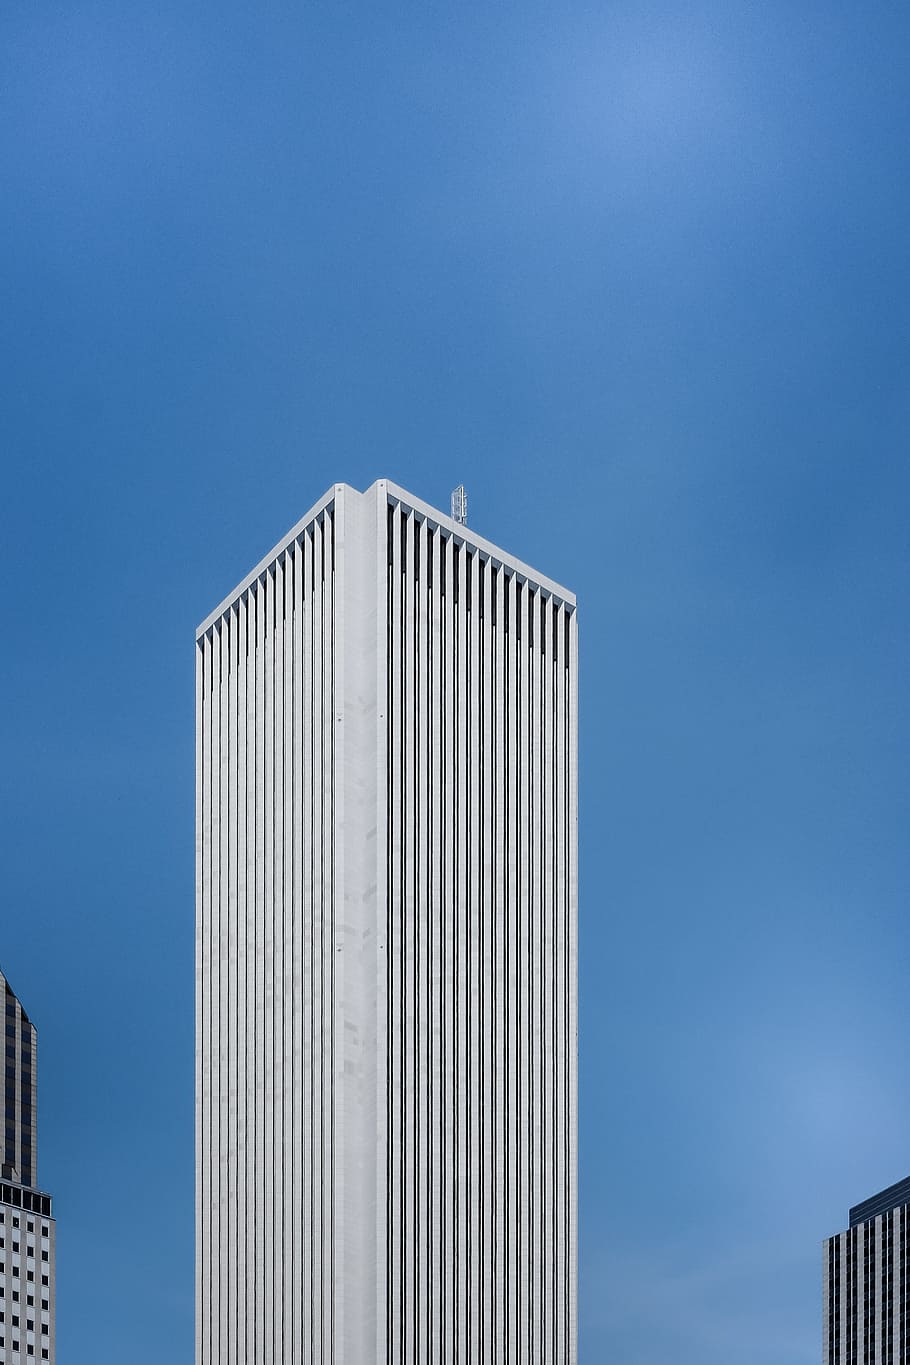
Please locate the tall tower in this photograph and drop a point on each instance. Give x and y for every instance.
(866, 1283)
(27, 1230)
(386, 950)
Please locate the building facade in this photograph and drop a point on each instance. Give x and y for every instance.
(27, 1229)
(866, 1283)
(386, 950)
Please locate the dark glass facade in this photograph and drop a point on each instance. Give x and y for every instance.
(18, 1137)
(27, 1229)
(894, 1197)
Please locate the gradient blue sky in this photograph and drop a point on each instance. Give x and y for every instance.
(639, 275)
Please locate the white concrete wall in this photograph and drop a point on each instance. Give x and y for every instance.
(27, 1258)
(386, 950)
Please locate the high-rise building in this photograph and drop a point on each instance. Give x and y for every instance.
(386, 950)
(866, 1283)
(27, 1229)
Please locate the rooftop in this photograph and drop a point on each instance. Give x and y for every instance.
(894, 1197)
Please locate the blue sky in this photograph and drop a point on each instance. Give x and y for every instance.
(637, 274)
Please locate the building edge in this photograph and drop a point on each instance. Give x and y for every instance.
(395, 494)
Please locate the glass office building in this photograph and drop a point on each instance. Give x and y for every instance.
(866, 1283)
(27, 1228)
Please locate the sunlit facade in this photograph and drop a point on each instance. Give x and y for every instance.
(386, 950)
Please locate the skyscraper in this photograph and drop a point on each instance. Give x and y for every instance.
(386, 950)
(27, 1229)
(866, 1283)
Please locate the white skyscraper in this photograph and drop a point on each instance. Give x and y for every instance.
(386, 950)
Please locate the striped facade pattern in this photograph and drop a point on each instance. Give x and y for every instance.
(866, 1292)
(266, 992)
(386, 954)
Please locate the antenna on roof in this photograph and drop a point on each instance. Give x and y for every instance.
(460, 505)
